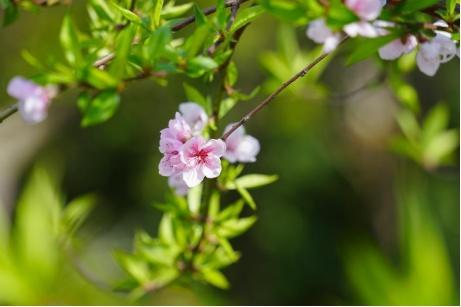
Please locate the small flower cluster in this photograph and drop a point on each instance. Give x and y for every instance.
(433, 52)
(33, 99)
(440, 49)
(188, 157)
(366, 11)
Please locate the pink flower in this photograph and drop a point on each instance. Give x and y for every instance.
(365, 9)
(241, 147)
(34, 99)
(431, 54)
(177, 183)
(201, 159)
(194, 115)
(171, 142)
(177, 133)
(361, 28)
(319, 32)
(398, 47)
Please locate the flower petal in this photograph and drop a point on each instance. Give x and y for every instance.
(212, 167)
(193, 177)
(21, 88)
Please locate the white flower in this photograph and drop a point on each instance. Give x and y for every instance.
(319, 32)
(241, 147)
(440, 49)
(194, 115)
(398, 47)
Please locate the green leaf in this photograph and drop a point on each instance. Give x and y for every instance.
(37, 224)
(289, 11)
(221, 14)
(171, 11)
(451, 6)
(439, 147)
(158, 4)
(231, 74)
(195, 42)
(123, 47)
(234, 227)
(409, 125)
(252, 181)
(200, 18)
(100, 108)
(126, 13)
(245, 195)
(367, 47)
(10, 12)
(246, 16)
(99, 79)
(70, 42)
(215, 278)
(200, 65)
(156, 44)
(435, 121)
(76, 212)
(410, 6)
(134, 266)
(339, 15)
(166, 232)
(231, 212)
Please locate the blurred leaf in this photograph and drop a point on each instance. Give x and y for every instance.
(166, 232)
(99, 79)
(252, 181)
(245, 195)
(172, 11)
(156, 43)
(215, 278)
(158, 5)
(122, 51)
(100, 108)
(367, 47)
(10, 12)
(194, 197)
(76, 212)
(435, 121)
(126, 13)
(235, 227)
(231, 212)
(410, 6)
(134, 266)
(246, 16)
(200, 18)
(221, 14)
(440, 146)
(70, 42)
(36, 225)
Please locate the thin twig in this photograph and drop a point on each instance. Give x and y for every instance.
(208, 11)
(282, 87)
(8, 111)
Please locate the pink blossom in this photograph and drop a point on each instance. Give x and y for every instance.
(194, 115)
(201, 159)
(431, 54)
(398, 47)
(365, 9)
(177, 133)
(361, 28)
(241, 147)
(177, 183)
(34, 99)
(319, 32)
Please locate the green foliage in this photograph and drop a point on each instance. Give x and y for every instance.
(425, 277)
(430, 144)
(35, 246)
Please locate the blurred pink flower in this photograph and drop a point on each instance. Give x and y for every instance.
(398, 47)
(177, 183)
(432, 53)
(365, 9)
(177, 133)
(33, 99)
(241, 147)
(201, 159)
(194, 115)
(319, 32)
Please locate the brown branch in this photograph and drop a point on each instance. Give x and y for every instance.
(104, 60)
(8, 111)
(281, 88)
(208, 11)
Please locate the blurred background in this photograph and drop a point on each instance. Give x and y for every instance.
(348, 222)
